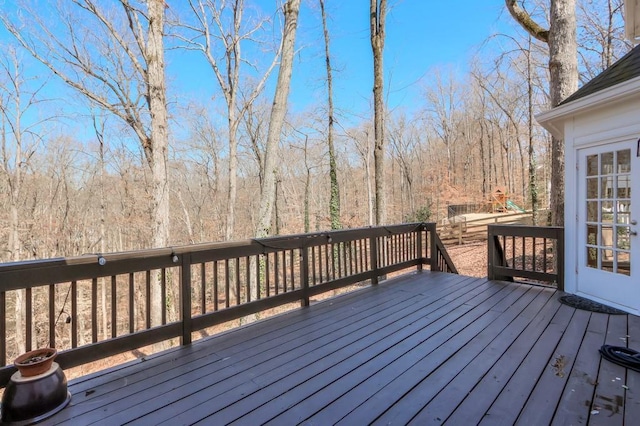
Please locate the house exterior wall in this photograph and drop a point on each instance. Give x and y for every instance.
(609, 123)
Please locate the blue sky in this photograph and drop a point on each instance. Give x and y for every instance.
(421, 35)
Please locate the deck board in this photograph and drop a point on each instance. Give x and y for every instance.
(425, 348)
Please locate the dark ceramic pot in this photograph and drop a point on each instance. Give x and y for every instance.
(28, 400)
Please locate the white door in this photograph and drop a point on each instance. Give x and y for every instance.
(608, 215)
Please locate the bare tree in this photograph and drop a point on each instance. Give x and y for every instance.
(119, 66)
(601, 38)
(224, 22)
(278, 111)
(377, 18)
(334, 199)
(19, 141)
(563, 77)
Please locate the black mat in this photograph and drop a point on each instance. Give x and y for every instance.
(589, 305)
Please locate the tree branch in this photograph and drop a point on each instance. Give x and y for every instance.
(526, 21)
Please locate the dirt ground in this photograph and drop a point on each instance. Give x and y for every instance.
(470, 259)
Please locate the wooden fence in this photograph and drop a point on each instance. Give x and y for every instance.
(98, 305)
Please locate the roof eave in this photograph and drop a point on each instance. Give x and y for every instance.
(553, 119)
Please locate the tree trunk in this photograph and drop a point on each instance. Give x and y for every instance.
(276, 122)
(334, 194)
(159, 136)
(563, 69)
(563, 79)
(378, 12)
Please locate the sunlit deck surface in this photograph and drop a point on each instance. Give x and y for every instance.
(425, 348)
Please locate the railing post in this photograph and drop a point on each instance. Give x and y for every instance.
(433, 247)
(419, 253)
(495, 256)
(491, 250)
(304, 271)
(185, 298)
(560, 258)
(3, 328)
(373, 254)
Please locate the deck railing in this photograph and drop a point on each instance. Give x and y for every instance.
(98, 305)
(529, 252)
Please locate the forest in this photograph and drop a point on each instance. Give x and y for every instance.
(97, 143)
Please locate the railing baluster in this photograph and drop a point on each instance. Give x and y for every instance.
(276, 272)
(28, 299)
(163, 294)
(114, 308)
(544, 257)
(313, 266)
(227, 283)
(185, 298)
(373, 253)
(147, 299)
(237, 281)
(248, 278)
(203, 288)
(131, 310)
(293, 267)
(94, 310)
(74, 314)
(267, 267)
(52, 316)
(3, 328)
(258, 280)
(215, 285)
(304, 273)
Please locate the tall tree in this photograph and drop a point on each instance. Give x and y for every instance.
(116, 61)
(334, 194)
(291, 10)
(377, 18)
(19, 141)
(224, 21)
(563, 77)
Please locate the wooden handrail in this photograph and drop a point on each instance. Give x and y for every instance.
(207, 283)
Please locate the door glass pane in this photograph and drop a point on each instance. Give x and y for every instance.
(606, 162)
(622, 263)
(607, 260)
(592, 165)
(623, 211)
(606, 187)
(607, 211)
(592, 234)
(592, 257)
(624, 161)
(624, 186)
(592, 188)
(592, 211)
(622, 237)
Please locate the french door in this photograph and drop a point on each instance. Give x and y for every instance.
(608, 214)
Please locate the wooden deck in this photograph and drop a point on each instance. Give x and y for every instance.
(426, 348)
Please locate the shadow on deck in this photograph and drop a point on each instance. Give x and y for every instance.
(424, 348)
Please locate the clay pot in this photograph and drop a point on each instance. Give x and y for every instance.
(35, 362)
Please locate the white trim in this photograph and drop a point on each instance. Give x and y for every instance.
(619, 134)
(553, 120)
